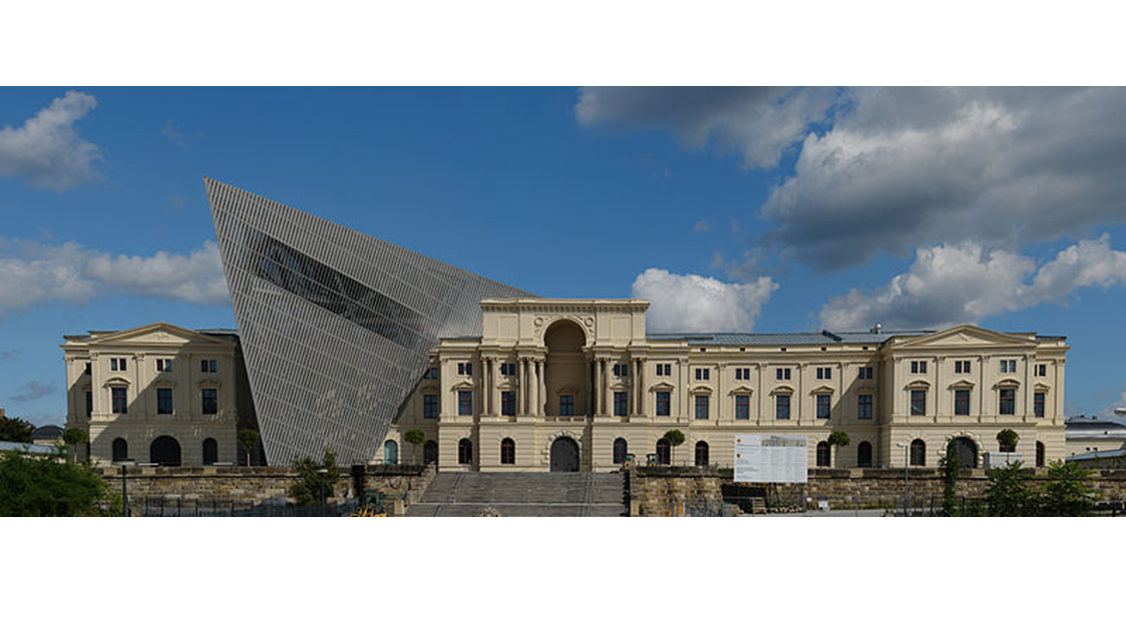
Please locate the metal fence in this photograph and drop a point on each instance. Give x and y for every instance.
(176, 507)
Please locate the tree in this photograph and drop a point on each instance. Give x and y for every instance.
(674, 438)
(950, 465)
(1008, 493)
(248, 438)
(1067, 491)
(836, 439)
(1008, 439)
(73, 437)
(414, 437)
(16, 430)
(39, 485)
(306, 490)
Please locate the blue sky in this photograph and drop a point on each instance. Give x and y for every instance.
(759, 209)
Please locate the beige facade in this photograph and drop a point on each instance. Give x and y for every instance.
(550, 372)
(157, 391)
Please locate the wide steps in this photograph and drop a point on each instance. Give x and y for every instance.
(522, 494)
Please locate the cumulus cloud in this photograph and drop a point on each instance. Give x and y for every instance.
(760, 123)
(47, 150)
(691, 303)
(952, 284)
(33, 390)
(32, 273)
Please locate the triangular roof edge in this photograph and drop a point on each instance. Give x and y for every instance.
(975, 329)
(156, 327)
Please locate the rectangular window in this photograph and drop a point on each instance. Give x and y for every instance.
(164, 401)
(918, 367)
(1008, 404)
(918, 402)
(782, 406)
(430, 407)
(566, 405)
(87, 369)
(163, 365)
(621, 370)
(621, 403)
(120, 398)
(701, 407)
(465, 369)
(742, 407)
(864, 406)
(824, 373)
(1038, 404)
(465, 403)
(89, 403)
(1041, 370)
(702, 374)
(1008, 367)
(210, 401)
(508, 403)
(432, 373)
(738, 373)
(664, 400)
(961, 367)
(209, 366)
(782, 374)
(865, 373)
(824, 406)
(961, 402)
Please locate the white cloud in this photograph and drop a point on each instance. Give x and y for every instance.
(47, 149)
(33, 390)
(952, 284)
(761, 123)
(690, 303)
(32, 273)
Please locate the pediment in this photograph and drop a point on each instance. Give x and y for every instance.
(741, 390)
(461, 385)
(664, 385)
(918, 384)
(159, 334)
(823, 389)
(1042, 387)
(701, 389)
(782, 389)
(1007, 383)
(965, 336)
(962, 384)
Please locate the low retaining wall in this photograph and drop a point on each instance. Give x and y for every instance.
(661, 490)
(400, 485)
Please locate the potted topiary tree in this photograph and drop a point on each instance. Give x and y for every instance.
(414, 437)
(249, 439)
(1008, 439)
(74, 437)
(836, 439)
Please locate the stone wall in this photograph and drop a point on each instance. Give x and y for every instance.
(662, 491)
(401, 485)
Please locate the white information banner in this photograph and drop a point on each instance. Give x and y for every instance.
(771, 459)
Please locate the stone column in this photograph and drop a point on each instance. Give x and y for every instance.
(541, 410)
(597, 390)
(486, 391)
(632, 397)
(607, 398)
(533, 387)
(590, 387)
(639, 377)
(518, 379)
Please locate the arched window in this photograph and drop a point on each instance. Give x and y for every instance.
(701, 453)
(918, 453)
(390, 452)
(210, 451)
(507, 451)
(824, 455)
(664, 451)
(430, 452)
(120, 450)
(620, 450)
(1039, 454)
(864, 455)
(464, 452)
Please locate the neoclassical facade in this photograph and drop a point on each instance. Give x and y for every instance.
(579, 385)
(158, 394)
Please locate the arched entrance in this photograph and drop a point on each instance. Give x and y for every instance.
(565, 369)
(967, 452)
(165, 451)
(564, 456)
(429, 452)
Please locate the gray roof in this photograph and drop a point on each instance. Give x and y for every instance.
(824, 337)
(1118, 452)
(49, 432)
(28, 448)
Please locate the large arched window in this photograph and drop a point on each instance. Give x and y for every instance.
(620, 450)
(864, 455)
(120, 450)
(210, 451)
(464, 451)
(664, 451)
(165, 451)
(701, 453)
(1039, 454)
(507, 451)
(390, 452)
(824, 455)
(918, 453)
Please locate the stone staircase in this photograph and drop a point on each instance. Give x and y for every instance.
(465, 494)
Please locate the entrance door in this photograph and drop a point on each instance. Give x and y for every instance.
(165, 451)
(564, 456)
(967, 452)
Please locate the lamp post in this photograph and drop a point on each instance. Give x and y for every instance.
(124, 488)
(906, 462)
(322, 472)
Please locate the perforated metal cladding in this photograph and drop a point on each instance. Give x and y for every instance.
(336, 326)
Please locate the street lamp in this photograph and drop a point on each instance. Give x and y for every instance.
(906, 462)
(124, 488)
(322, 472)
